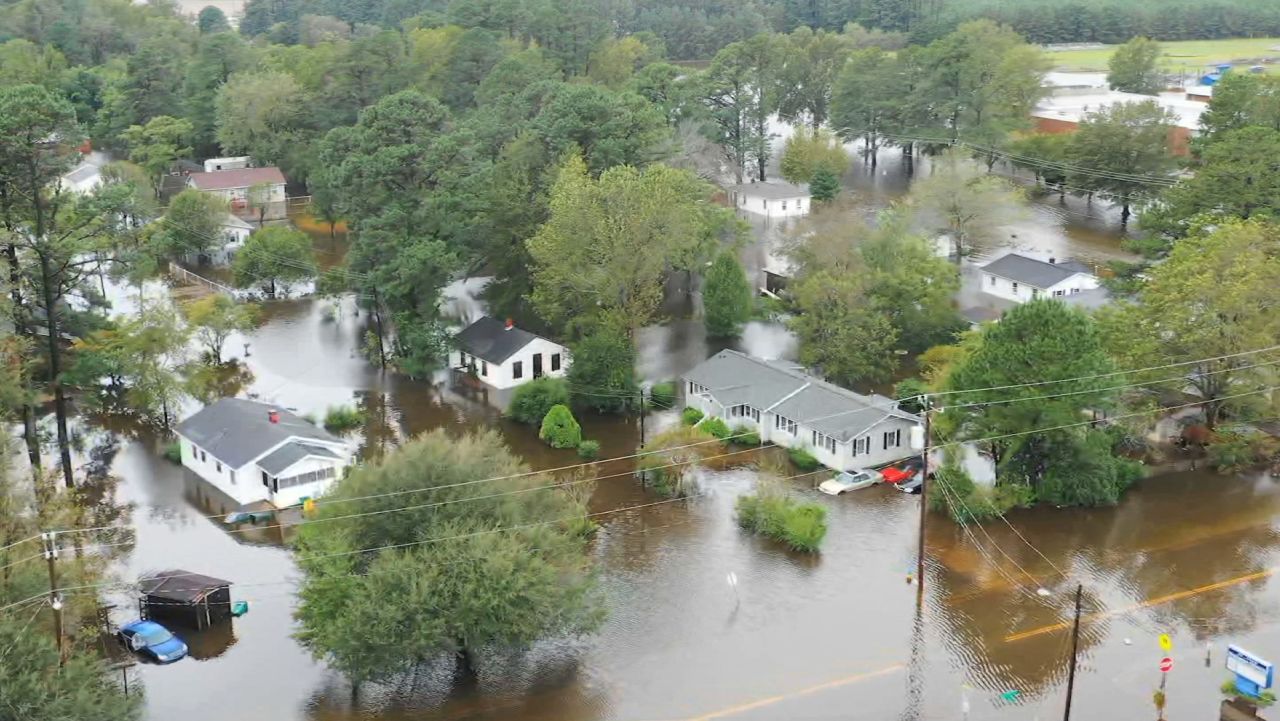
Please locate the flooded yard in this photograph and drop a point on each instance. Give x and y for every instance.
(826, 637)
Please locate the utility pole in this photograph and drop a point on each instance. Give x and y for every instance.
(924, 506)
(1075, 646)
(55, 602)
(640, 393)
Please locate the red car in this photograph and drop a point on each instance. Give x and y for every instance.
(903, 471)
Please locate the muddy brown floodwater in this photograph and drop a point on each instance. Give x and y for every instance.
(827, 637)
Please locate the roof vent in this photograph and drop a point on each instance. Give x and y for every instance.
(273, 415)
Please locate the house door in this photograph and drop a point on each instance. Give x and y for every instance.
(537, 365)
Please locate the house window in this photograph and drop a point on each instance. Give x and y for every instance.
(861, 446)
(233, 477)
(764, 204)
(991, 280)
(218, 464)
(203, 458)
(784, 205)
(1035, 293)
(1059, 293)
(484, 368)
(822, 440)
(783, 423)
(462, 359)
(1074, 291)
(266, 480)
(892, 439)
(555, 361)
(517, 369)
(1015, 286)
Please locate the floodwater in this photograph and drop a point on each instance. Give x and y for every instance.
(834, 636)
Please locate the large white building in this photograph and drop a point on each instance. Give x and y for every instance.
(772, 198)
(1021, 278)
(501, 355)
(255, 452)
(790, 408)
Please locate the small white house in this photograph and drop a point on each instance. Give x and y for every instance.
(233, 186)
(1020, 278)
(772, 198)
(234, 232)
(504, 356)
(82, 179)
(254, 452)
(788, 407)
(237, 163)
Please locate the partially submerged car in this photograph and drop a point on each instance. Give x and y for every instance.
(849, 481)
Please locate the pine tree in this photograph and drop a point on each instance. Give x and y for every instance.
(726, 297)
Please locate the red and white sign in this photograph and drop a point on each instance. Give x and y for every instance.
(1166, 665)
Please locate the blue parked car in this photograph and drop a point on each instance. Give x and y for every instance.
(152, 640)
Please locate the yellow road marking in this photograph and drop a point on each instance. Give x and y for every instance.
(1157, 601)
(769, 701)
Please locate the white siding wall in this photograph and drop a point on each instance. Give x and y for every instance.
(1021, 292)
(773, 207)
(238, 483)
(293, 495)
(503, 375)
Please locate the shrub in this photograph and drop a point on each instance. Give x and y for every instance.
(1233, 451)
(956, 494)
(173, 452)
(589, 450)
(908, 391)
(803, 459)
(341, 419)
(663, 395)
(560, 429)
(716, 427)
(772, 514)
(744, 436)
(690, 416)
(669, 459)
(1266, 698)
(531, 401)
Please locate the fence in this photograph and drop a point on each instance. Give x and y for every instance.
(185, 276)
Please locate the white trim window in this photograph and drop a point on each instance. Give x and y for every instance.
(892, 439)
(745, 411)
(860, 446)
(822, 440)
(695, 389)
(784, 424)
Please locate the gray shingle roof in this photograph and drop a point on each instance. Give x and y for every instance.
(290, 453)
(771, 189)
(735, 378)
(1088, 299)
(236, 431)
(490, 339)
(180, 586)
(1032, 272)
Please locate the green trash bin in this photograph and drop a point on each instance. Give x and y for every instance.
(239, 608)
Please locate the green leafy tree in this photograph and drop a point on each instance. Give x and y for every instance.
(970, 206)
(910, 284)
(616, 59)
(869, 98)
(1241, 100)
(156, 146)
(808, 151)
(1123, 146)
(274, 256)
(603, 375)
(811, 60)
(608, 128)
(192, 225)
(1135, 67)
(1044, 155)
(215, 317)
(608, 243)
(440, 580)
(531, 401)
(261, 114)
(840, 331)
(1211, 299)
(1039, 342)
(726, 297)
(1238, 177)
(218, 56)
(824, 186)
(212, 20)
(560, 429)
(740, 91)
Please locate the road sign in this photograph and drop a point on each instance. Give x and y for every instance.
(1253, 673)
(1166, 665)
(1166, 643)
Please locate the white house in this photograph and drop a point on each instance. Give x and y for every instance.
(1020, 278)
(504, 356)
(253, 452)
(234, 232)
(788, 407)
(772, 198)
(233, 186)
(81, 179)
(236, 163)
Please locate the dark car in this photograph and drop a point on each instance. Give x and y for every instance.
(913, 485)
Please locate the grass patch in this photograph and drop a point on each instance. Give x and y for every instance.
(589, 450)
(1195, 56)
(690, 416)
(744, 436)
(716, 427)
(801, 458)
(342, 419)
(770, 512)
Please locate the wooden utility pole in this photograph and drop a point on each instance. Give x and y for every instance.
(640, 393)
(924, 506)
(1075, 647)
(55, 602)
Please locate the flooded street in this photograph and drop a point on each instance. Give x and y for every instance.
(828, 637)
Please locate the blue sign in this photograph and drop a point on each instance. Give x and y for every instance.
(1253, 673)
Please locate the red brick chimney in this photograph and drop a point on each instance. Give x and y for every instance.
(273, 415)
(510, 324)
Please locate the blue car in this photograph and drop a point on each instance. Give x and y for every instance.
(152, 640)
